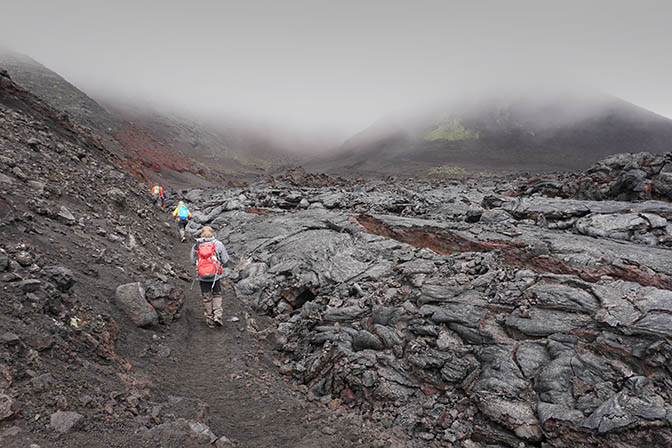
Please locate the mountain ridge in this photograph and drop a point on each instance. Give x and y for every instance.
(545, 134)
(158, 146)
(501, 132)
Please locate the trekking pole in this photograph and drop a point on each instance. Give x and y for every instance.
(192, 284)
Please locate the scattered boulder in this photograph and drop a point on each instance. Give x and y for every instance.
(345, 313)
(224, 442)
(30, 285)
(166, 299)
(37, 186)
(4, 260)
(473, 215)
(65, 215)
(181, 432)
(117, 196)
(61, 276)
(42, 382)
(6, 179)
(9, 338)
(202, 432)
(66, 421)
(364, 340)
(18, 172)
(194, 195)
(24, 258)
(131, 298)
(33, 143)
(8, 407)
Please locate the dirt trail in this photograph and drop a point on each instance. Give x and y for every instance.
(249, 400)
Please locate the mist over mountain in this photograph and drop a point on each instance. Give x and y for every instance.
(161, 144)
(559, 130)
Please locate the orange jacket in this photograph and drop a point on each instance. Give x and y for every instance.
(160, 190)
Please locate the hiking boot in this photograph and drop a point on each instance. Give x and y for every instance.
(182, 240)
(219, 322)
(211, 324)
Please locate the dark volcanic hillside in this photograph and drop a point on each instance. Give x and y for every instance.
(160, 147)
(58, 92)
(560, 132)
(220, 150)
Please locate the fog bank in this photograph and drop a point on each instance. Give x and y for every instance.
(336, 67)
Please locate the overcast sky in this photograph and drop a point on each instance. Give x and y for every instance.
(342, 64)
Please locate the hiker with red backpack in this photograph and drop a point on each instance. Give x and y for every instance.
(159, 195)
(209, 257)
(182, 216)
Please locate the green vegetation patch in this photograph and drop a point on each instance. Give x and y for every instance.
(457, 171)
(447, 170)
(451, 130)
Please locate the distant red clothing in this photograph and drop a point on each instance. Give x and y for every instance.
(157, 191)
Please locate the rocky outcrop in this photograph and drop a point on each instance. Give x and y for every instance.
(299, 177)
(621, 177)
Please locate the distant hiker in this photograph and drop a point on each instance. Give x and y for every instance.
(159, 196)
(209, 257)
(182, 215)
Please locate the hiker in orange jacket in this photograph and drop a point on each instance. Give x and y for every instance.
(182, 216)
(159, 196)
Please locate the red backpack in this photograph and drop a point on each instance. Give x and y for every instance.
(207, 264)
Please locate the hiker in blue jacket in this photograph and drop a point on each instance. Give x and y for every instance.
(182, 215)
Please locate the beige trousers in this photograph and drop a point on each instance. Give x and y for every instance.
(212, 307)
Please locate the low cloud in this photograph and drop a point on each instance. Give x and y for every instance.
(336, 67)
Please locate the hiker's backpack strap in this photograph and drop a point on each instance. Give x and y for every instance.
(196, 254)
